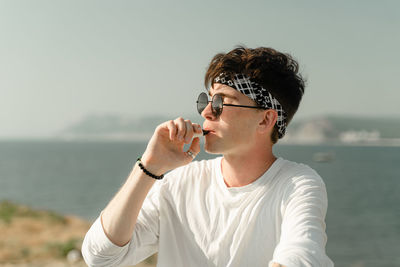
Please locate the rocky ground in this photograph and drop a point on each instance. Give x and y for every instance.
(33, 238)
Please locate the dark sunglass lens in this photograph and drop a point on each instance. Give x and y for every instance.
(217, 104)
(202, 102)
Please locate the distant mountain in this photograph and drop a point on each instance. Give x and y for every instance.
(345, 129)
(318, 130)
(114, 127)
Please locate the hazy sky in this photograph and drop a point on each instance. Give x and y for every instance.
(61, 61)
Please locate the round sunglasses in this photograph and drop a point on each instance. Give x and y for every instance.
(217, 104)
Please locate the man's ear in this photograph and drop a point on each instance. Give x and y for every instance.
(268, 121)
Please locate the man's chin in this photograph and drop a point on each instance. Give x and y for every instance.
(212, 149)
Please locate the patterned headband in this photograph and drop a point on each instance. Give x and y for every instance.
(260, 95)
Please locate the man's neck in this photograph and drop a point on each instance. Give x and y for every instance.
(241, 170)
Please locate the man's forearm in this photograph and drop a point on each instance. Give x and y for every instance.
(277, 265)
(164, 152)
(120, 215)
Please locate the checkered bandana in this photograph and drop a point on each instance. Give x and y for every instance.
(260, 95)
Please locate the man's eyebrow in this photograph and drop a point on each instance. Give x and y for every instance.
(224, 95)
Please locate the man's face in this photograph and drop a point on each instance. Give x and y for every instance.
(234, 131)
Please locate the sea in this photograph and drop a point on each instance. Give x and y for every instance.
(80, 178)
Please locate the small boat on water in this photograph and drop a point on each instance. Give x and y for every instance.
(324, 156)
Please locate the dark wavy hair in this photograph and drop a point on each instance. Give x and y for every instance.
(275, 71)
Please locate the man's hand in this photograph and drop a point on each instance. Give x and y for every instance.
(164, 151)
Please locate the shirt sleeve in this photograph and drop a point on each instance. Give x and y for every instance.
(99, 251)
(303, 238)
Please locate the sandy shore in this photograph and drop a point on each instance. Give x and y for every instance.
(33, 238)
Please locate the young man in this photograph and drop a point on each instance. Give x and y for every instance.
(247, 208)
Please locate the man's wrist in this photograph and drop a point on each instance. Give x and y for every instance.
(151, 166)
(149, 173)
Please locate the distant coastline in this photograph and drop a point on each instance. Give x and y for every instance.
(344, 130)
(136, 139)
(322, 130)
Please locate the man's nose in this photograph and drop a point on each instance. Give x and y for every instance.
(207, 113)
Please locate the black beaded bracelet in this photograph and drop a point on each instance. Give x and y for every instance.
(147, 172)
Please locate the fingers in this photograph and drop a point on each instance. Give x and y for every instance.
(166, 147)
(197, 128)
(172, 130)
(189, 131)
(182, 130)
(176, 129)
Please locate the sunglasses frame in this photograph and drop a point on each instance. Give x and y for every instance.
(213, 109)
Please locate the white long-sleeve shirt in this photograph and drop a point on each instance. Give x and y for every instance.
(193, 219)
